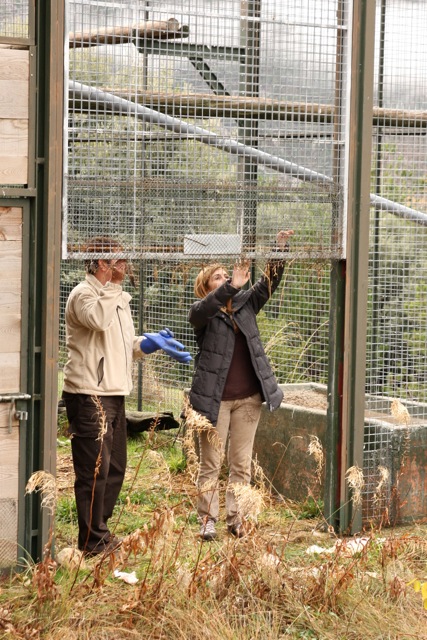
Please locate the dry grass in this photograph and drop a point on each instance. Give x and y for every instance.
(263, 587)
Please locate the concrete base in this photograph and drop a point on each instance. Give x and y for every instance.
(283, 437)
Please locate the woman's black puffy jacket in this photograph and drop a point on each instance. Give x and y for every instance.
(215, 337)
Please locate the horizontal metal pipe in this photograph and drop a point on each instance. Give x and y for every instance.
(121, 106)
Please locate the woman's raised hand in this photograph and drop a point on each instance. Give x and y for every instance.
(241, 274)
(282, 239)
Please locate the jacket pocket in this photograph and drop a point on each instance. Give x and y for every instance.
(100, 370)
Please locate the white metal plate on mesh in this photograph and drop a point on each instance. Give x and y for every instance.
(212, 244)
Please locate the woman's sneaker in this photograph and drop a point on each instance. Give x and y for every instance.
(207, 529)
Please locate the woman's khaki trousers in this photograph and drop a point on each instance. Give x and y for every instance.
(237, 420)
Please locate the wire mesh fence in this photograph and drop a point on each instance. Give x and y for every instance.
(233, 158)
(196, 132)
(397, 348)
(199, 128)
(14, 18)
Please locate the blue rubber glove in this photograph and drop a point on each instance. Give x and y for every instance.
(166, 341)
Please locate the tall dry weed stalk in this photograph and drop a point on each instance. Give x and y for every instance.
(400, 412)
(102, 430)
(45, 483)
(156, 461)
(382, 483)
(356, 482)
(249, 501)
(195, 424)
(43, 578)
(315, 449)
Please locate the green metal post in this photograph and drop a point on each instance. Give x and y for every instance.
(44, 259)
(334, 414)
(337, 283)
(358, 209)
(248, 132)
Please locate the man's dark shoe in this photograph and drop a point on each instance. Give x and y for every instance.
(112, 546)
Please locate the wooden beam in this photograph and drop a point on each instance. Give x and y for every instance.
(192, 105)
(159, 30)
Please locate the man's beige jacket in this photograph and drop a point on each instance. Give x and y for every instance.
(101, 340)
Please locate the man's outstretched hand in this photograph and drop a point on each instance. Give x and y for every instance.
(165, 340)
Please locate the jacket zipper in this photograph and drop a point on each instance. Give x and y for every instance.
(124, 345)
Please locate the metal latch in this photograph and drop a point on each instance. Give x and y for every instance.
(13, 412)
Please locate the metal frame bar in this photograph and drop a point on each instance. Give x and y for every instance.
(25, 434)
(199, 51)
(358, 210)
(42, 229)
(250, 37)
(208, 76)
(337, 284)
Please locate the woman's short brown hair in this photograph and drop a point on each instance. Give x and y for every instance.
(201, 288)
(100, 245)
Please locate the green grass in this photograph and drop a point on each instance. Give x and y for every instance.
(263, 587)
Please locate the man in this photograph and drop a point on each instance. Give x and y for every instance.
(101, 345)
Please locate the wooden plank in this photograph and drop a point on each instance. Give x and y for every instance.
(10, 370)
(160, 30)
(11, 223)
(14, 65)
(13, 170)
(4, 420)
(10, 292)
(10, 287)
(13, 137)
(203, 105)
(10, 256)
(10, 332)
(10, 298)
(9, 463)
(10, 301)
(14, 99)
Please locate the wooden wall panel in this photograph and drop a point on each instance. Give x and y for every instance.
(9, 458)
(10, 298)
(10, 373)
(14, 64)
(10, 370)
(14, 136)
(14, 115)
(13, 98)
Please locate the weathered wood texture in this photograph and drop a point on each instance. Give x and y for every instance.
(10, 298)
(186, 105)
(14, 112)
(159, 30)
(9, 457)
(10, 357)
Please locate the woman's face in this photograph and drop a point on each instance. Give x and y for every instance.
(217, 279)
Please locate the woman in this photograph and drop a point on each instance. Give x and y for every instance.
(232, 378)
